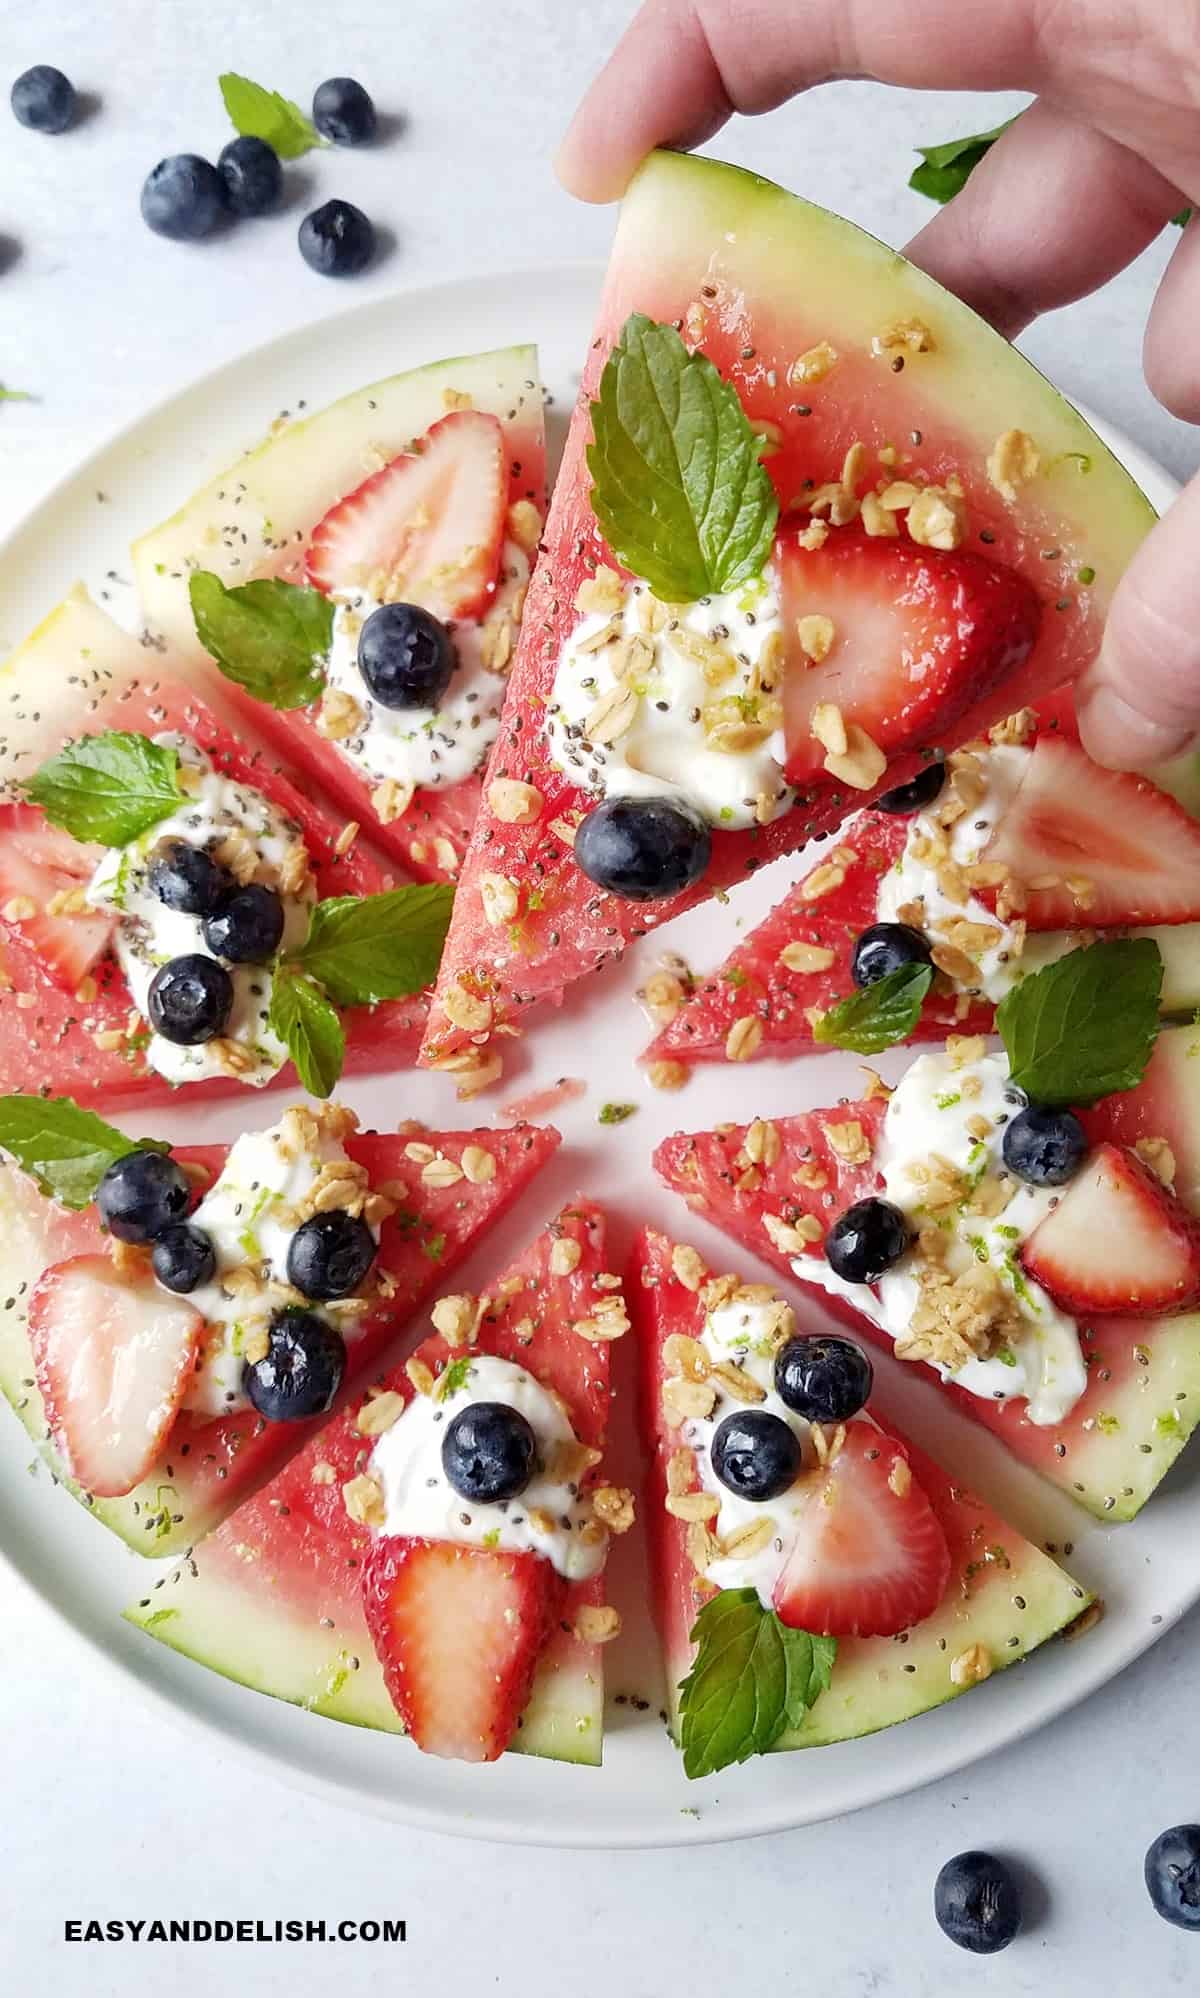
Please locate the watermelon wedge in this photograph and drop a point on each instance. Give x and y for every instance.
(319, 492)
(208, 1467)
(1003, 1597)
(80, 674)
(1142, 1398)
(871, 372)
(274, 1598)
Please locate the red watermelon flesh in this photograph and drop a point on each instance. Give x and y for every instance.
(1003, 1593)
(1142, 1398)
(730, 259)
(209, 1466)
(274, 1597)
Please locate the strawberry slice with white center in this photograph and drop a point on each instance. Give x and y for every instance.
(870, 1557)
(458, 1631)
(113, 1354)
(1095, 846)
(41, 870)
(428, 528)
(1118, 1242)
(919, 634)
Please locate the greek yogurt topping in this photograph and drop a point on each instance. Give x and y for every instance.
(250, 1214)
(427, 748)
(959, 1297)
(420, 1502)
(675, 700)
(223, 817)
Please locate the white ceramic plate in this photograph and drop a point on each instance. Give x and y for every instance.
(1148, 1573)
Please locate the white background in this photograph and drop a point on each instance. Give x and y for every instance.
(104, 1809)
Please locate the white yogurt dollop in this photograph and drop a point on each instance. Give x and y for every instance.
(420, 1502)
(669, 749)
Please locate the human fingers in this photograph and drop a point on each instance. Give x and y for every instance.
(1171, 357)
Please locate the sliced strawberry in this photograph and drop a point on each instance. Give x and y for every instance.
(37, 864)
(871, 1558)
(918, 635)
(458, 1631)
(112, 1354)
(1109, 847)
(426, 529)
(1118, 1242)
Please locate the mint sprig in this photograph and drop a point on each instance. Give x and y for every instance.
(1084, 1026)
(310, 1028)
(945, 170)
(879, 1015)
(678, 486)
(258, 113)
(364, 949)
(752, 1679)
(271, 638)
(110, 787)
(66, 1149)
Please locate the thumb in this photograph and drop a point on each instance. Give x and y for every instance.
(1139, 702)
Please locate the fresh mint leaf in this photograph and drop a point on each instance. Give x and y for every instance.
(866, 1022)
(945, 170)
(677, 482)
(751, 1680)
(66, 1149)
(309, 1027)
(258, 113)
(14, 395)
(269, 637)
(108, 787)
(366, 948)
(1084, 1026)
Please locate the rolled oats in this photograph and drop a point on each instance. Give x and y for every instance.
(513, 802)
(744, 1038)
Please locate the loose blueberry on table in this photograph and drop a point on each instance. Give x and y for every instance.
(185, 198)
(43, 99)
(343, 111)
(977, 1903)
(337, 239)
(252, 175)
(1172, 1872)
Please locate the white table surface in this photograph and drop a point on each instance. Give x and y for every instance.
(105, 1809)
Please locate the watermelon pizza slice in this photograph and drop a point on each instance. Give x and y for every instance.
(358, 582)
(432, 1561)
(178, 1320)
(815, 1576)
(176, 907)
(1042, 1265)
(986, 868)
(805, 533)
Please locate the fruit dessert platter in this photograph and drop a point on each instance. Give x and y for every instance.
(399, 757)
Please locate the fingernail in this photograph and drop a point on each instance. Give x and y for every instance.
(1121, 737)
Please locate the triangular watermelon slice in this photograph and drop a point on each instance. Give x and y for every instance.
(209, 1466)
(274, 1598)
(788, 971)
(1142, 1398)
(1003, 1597)
(79, 674)
(261, 517)
(868, 357)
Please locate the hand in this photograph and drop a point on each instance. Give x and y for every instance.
(1072, 193)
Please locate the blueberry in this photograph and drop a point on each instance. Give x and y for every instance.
(406, 656)
(342, 111)
(43, 99)
(823, 1378)
(190, 1000)
(142, 1193)
(866, 1240)
(184, 1257)
(301, 1370)
(1045, 1147)
(247, 926)
(977, 1903)
(1173, 1876)
(887, 947)
(920, 791)
(186, 878)
(489, 1452)
(329, 1255)
(184, 197)
(337, 239)
(252, 175)
(756, 1455)
(643, 849)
